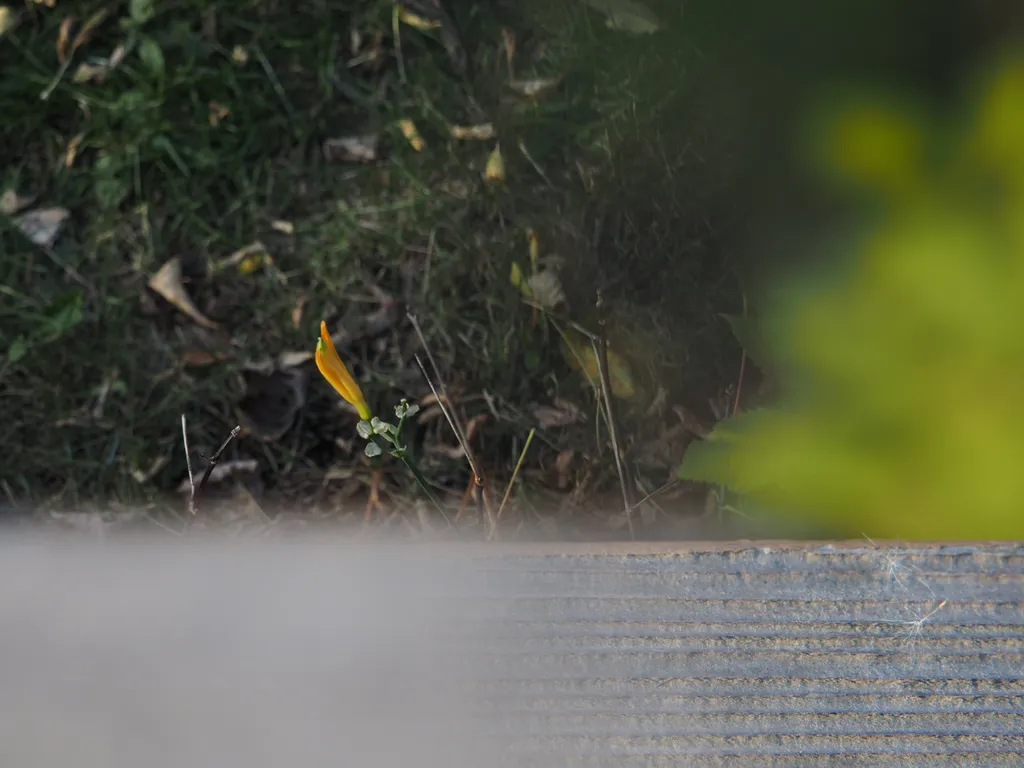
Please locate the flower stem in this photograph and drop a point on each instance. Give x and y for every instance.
(423, 483)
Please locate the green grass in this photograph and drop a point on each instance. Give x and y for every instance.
(155, 178)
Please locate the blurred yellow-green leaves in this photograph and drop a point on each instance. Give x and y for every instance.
(903, 412)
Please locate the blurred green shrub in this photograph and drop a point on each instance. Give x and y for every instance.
(903, 376)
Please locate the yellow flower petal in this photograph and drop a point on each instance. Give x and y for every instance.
(337, 375)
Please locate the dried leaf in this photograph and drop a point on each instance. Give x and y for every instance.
(217, 113)
(535, 86)
(64, 38)
(71, 150)
(560, 413)
(198, 358)
(545, 288)
(580, 354)
(117, 56)
(42, 225)
(658, 403)
(248, 259)
(563, 468)
(11, 202)
(411, 134)
(297, 312)
(282, 226)
(8, 20)
(91, 71)
(293, 359)
(508, 39)
(222, 471)
(406, 16)
(627, 16)
(495, 170)
(143, 476)
(88, 29)
(348, 149)
(167, 282)
(481, 132)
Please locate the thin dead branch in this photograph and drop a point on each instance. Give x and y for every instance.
(511, 482)
(606, 392)
(211, 462)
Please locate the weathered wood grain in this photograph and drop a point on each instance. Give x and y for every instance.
(782, 654)
(326, 653)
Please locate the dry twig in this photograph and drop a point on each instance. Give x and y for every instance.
(606, 392)
(211, 462)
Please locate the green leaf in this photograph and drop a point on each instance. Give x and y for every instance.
(152, 56)
(748, 333)
(17, 350)
(141, 11)
(110, 183)
(62, 315)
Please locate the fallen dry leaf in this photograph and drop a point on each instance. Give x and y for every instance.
(691, 422)
(535, 86)
(217, 113)
(626, 16)
(91, 71)
(412, 135)
(248, 259)
(167, 282)
(11, 202)
(71, 150)
(282, 226)
(297, 312)
(481, 132)
(348, 149)
(495, 169)
(88, 29)
(658, 403)
(579, 353)
(222, 471)
(416, 21)
(143, 476)
(508, 39)
(563, 468)
(42, 225)
(8, 20)
(198, 358)
(64, 38)
(117, 56)
(294, 359)
(545, 288)
(561, 413)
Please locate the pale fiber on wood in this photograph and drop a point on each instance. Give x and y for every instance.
(317, 653)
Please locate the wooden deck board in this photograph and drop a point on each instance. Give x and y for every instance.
(735, 654)
(801, 654)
